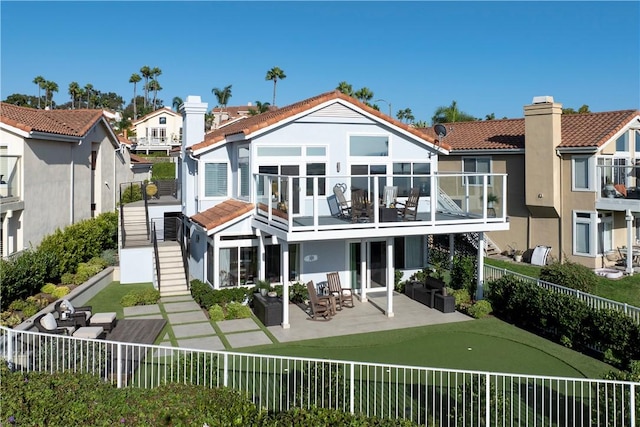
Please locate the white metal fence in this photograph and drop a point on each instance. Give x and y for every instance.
(495, 273)
(427, 396)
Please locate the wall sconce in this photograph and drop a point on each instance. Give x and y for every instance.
(338, 167)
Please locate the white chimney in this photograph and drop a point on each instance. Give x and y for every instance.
(546, 99)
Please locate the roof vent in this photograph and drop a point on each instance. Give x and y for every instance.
(543, 99)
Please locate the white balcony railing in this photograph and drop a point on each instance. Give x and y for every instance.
(619, 182)
(426, 396)
(308, 203)
(10, 178)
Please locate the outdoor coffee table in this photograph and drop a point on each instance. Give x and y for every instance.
(106, 320)
(89, 332)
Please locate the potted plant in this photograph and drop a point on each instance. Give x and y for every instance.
(491, 199)
(517, 255)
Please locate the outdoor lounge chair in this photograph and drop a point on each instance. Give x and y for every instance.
(343, 296)
(343, 204)
(80, 315)
(409, 209)
(361, 209)
(321, 306)
(47, 324)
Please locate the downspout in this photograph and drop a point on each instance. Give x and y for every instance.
(71, 189)
(195, 174)
(562, 217)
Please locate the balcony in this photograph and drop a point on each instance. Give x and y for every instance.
(155, 143)
(619, 185)
(302, 206)
(10, 181)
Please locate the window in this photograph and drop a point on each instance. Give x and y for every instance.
(583, 232)
(376, 146)
(243, 172)
(581, 173)
(279, 151)
(622, 143)
(159, 134)
(365, 183)
(163, 120)
(316, 169)
(605, 232)
(477, 165)
(409, 252)
(215, 180)
(405, 184)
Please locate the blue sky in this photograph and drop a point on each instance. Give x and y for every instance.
(491, 57)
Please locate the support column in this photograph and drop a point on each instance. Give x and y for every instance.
(364, 255)
(390, 277)
(6, 250)
(480, 272)
(261, 257)
(284, 256)
(629, 218)
(216, 261)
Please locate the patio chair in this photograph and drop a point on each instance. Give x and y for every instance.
(409, 209)
(361, 209)
(321, 306)
(47, 324)
(80, 315)
(343, 296)
(344, 205)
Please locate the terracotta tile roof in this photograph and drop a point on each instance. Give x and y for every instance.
(155, 113)
(578, 130)
(222, 213)
(269, 118)
(139, 160)
(238, 111)
(60, 122)
(483, 135)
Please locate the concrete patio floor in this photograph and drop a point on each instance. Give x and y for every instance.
(192, 329)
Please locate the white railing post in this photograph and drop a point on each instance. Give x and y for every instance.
(225, 370)
(119, 366)
(632, 404)
(352, 388)
(9, 350)
(487, 404)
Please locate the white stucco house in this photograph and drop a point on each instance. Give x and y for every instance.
(57, 167)
(160, 130)
(258, 199)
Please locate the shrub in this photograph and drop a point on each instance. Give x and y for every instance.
(26, 274)
(570, 275)
(298, 293)
(206, 296)
(48, 288)
(99, 262)
(131, 193)
(68, 279)
(110, 256)
(216, 313)
(463, 274)
(235, 310)
(140, 297)
(60, 291)
(86, 270)
(40, 302)
(463, 299)
(480, 309)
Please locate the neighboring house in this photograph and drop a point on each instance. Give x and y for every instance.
(259, 201)
(228, 115)
(141, 168)
(159, 130)
(57, 167)
(573, 179)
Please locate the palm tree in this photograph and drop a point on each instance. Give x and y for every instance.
(405, 114)
(274, 74)
(364, 95)
(155, 87)
(177, 102)
(345, 88)
(421, 124)
(260, 108)
(450, 114)
(39, 80)
(155, 72)
(73, 91)
(146, 73)
(49, 87)
(88, 88)
(135, 78)
(222, 95)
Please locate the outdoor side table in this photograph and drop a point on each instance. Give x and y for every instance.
(267, 309)
(445, 303)
(106, 320)
(89, 332)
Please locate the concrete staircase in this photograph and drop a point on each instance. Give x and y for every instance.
(135, 226)
(172, 275)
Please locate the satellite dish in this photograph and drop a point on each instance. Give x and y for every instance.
(441, 130)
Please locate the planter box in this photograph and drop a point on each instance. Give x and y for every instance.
(410, 288)
(445, 304)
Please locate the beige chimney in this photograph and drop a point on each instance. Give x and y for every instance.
(542, 135)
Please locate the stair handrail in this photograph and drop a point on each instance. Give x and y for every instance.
(122, 232)
(143, 187)
(180, 238)
(154, 240)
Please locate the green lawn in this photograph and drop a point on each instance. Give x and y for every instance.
(626, 289)
(488, 345)
(109, 298)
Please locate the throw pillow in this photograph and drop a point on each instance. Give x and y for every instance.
(67, 306)
(49, 322)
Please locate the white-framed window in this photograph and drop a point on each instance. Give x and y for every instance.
(368, 145)
(409, 252)
(244, 173)
(476, 165)
(215, 180)
(404, 184)
(582, 173)
(584, 232)
(317, 169)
